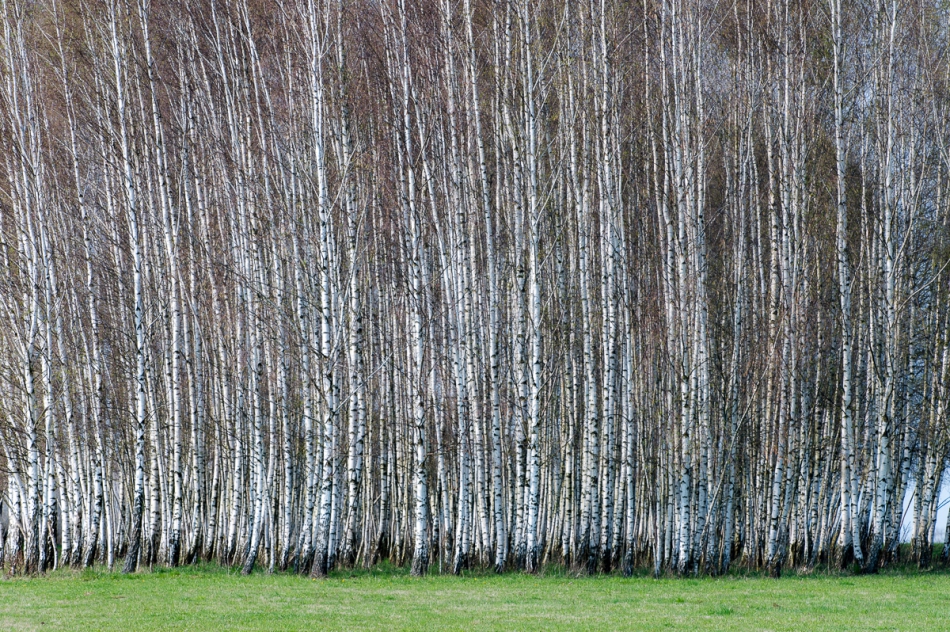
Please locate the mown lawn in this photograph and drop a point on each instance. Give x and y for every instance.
(210, 598)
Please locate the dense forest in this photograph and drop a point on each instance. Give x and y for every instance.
(309, 284)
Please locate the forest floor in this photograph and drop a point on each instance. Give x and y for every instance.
(212, 598)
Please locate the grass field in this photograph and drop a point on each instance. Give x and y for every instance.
(210, 598)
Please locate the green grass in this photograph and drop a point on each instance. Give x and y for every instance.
(210, 598)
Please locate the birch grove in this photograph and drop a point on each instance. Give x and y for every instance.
(311, 284)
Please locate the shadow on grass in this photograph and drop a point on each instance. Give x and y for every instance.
(904, 566)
